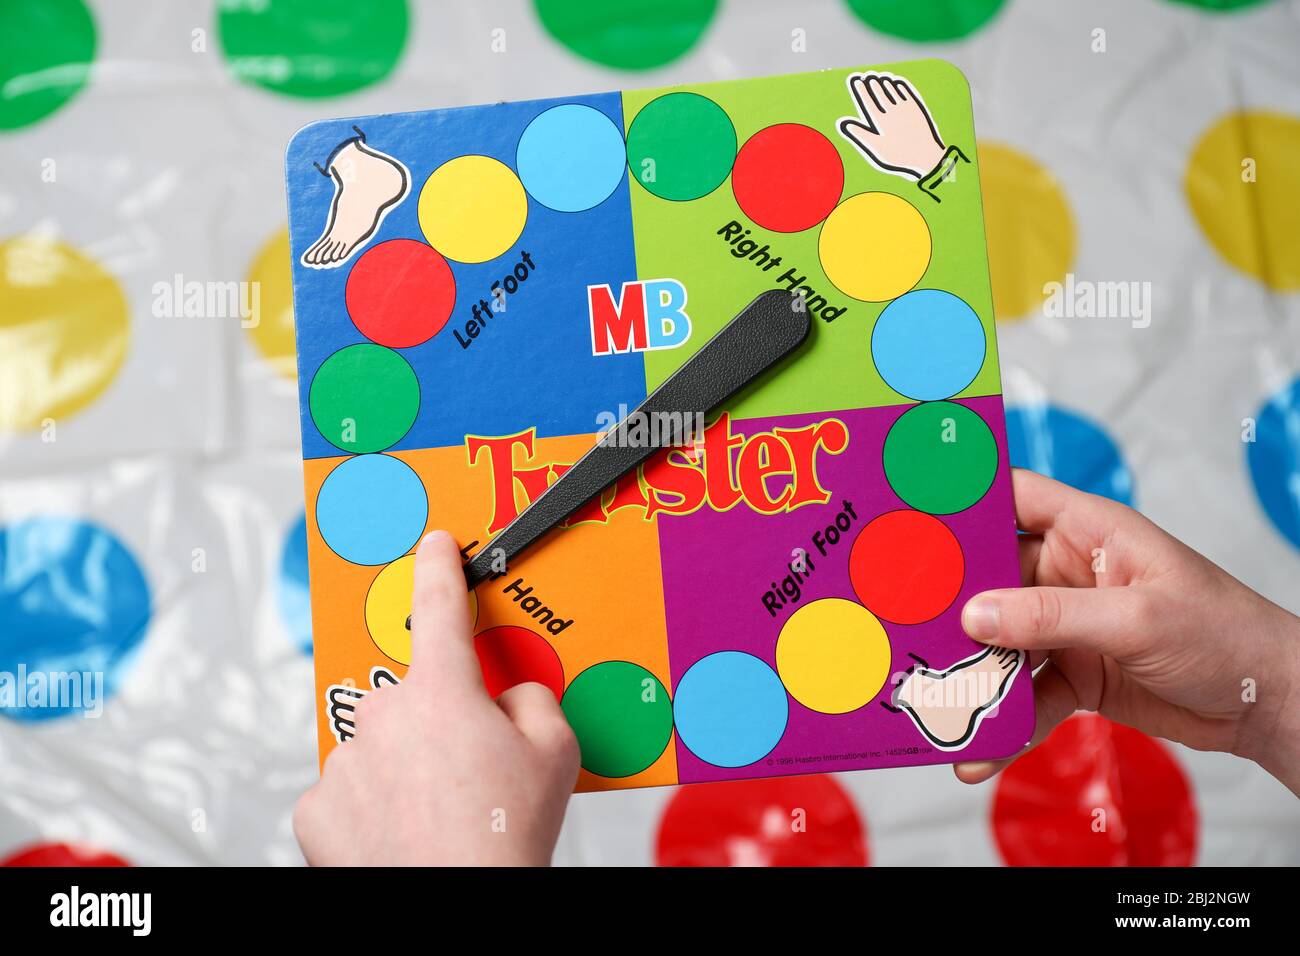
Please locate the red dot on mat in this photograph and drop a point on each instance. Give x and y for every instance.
(516, 655)
(61, 854)
(782, 821)
(906, 567)
(787, 177)
(1095, 793)
(400, 293)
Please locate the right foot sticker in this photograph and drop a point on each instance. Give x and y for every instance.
(948, 705)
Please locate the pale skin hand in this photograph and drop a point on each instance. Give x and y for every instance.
(439, 773)
(893, 127)
(1161, 640)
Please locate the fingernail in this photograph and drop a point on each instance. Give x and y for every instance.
(431, 536)
(980, 618)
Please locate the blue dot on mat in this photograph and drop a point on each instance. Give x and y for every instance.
(730, 709)
(1069, 448)
(294, 594)
(371, 509)
(928, 345)
(74, 606)
(1274, 460)
(571, 158)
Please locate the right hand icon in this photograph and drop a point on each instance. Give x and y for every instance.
(893, 129)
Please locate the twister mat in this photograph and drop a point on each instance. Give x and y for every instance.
(479, 292)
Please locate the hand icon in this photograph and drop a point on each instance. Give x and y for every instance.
(894, 130)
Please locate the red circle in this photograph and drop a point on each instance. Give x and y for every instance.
(400, 293)
(787, 177)
(1045, 812)
(515, 655)
(906, 567)
(781, 821)
(61, 854)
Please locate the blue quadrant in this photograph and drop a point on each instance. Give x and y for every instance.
(532, 366)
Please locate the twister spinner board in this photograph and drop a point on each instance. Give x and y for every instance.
(481, 292)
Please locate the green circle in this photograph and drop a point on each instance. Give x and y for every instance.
(681, 146)
(627, 34)
(312, 48)
(364, 398)
(1219, 6)
(619, 730)
(925, 21)
(940, 457)
(46, 48)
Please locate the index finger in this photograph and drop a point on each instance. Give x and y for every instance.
(442, 646)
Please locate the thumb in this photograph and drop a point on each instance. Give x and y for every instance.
(442, 647)
(861, 135)
(1104, 620)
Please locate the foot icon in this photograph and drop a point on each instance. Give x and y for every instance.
(948, 705)
(367, 184)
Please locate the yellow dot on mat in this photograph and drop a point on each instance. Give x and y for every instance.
(64, 329)
(874, 246)
(388, 605)
(472, 208)
(833, 656)
(272, 328)
(1243, 184)
(1029, 227)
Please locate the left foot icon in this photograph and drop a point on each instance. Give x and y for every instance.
(367, 184)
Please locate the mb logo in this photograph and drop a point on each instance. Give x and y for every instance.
(649, 314)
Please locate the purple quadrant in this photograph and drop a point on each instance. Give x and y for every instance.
(718, 567)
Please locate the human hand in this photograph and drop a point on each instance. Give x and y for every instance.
(893, 128)
(1130, 622)
(438, 773)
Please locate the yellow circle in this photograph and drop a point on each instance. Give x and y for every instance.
(64, 329)
(1029, 227)
(1243, 184)
(388, 608)
(272, 317)
(472, 208)
(874, 246)
(833, 656)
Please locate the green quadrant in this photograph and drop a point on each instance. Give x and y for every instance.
(678, 239)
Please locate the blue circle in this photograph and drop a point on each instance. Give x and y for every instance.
(1274, 460)
(571, 158)
(1069, 448)
(74, 604)
(372, 509)
(293, 590)
(928, 345)
(730, 709)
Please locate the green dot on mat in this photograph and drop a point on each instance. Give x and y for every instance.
(1221, 4)
(622, 717)
(681, 146)
(312, 48)
(364, 398)
(925, 21)
(627, 34)
(940, 457)
(46, 48)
